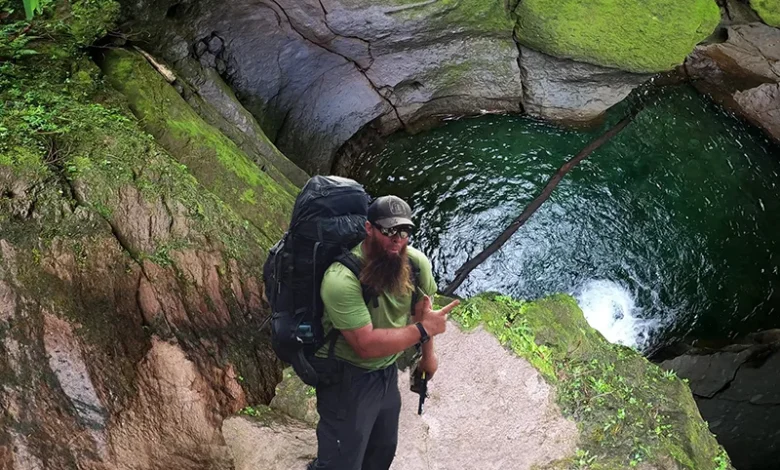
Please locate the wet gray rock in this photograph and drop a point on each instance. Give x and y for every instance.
(737, 12)
(566, 90)
(215, 102)
(743, 73)
(314, 73)
(761, 105)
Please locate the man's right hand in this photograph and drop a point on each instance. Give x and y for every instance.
(434, 321)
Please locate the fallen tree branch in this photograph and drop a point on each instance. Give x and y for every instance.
(391, 10)
(462, 273)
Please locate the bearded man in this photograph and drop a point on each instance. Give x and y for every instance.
(358, 427)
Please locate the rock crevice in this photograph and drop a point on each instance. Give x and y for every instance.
(737, 391)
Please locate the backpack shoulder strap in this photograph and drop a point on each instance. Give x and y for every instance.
(415, 276)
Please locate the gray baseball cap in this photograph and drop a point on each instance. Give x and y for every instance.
(390, 211)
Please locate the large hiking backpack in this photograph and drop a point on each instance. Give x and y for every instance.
(328, 220)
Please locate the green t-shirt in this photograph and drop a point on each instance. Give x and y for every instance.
(346, 310)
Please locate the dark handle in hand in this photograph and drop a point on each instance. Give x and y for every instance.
(423, 393)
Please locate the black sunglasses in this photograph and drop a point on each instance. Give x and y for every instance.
(403, 231)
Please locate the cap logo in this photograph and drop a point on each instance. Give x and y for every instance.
(396, 208)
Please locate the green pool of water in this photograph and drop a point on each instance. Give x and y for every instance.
(669, 231)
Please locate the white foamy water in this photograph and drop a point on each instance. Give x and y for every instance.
(610, 308)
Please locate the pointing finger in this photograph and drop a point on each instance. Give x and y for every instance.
(447, 308)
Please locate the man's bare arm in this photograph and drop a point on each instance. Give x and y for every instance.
(369, 342)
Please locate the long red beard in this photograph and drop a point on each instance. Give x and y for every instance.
(385, 272)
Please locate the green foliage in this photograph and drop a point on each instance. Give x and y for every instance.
(14, 41)
(583, 459)
(91, 19)
(768, 10)
(62, 126)
(35, 113)
(252, 411)
(633, 35)
(76, 24)
(722, 461)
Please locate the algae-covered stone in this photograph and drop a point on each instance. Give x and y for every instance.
(296, 399)
(768, 10)
(212, 158)
(632, 35)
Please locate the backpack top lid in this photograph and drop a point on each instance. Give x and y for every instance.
(329, 196)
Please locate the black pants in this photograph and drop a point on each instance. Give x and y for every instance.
(358, 428)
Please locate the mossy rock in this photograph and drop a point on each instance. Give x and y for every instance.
(296, 399)
(768, 10)
(633, 35)
(64, 130)
(216, 162)
(628, 410)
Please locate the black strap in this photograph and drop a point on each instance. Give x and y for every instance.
(415, 274)
(333, 335)
(353, 263)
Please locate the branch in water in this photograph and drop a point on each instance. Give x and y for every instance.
(462, 273)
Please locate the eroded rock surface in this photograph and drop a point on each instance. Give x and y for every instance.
(565, 90)
(315, 72)
(743, 73)
(130, 288)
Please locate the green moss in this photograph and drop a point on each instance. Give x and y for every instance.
(633, 35)
(213, 159)
(266, 416)
(768, 10)
(63, 128)
(91, 19)
(628, 410)
(249, 196)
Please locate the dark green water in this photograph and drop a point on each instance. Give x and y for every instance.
(669, 231)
